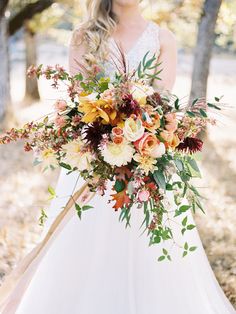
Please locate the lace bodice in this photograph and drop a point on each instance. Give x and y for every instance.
(147, 41)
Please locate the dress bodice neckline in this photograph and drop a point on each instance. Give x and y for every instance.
(147, 41)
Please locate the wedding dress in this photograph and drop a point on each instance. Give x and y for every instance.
(97, 266)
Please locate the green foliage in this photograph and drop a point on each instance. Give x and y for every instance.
(43, 217)
(80, 209)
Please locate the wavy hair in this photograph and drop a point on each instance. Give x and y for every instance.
(96, 29)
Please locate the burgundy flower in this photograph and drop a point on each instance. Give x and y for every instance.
(190, 145)
(129, 105)
(94, 133)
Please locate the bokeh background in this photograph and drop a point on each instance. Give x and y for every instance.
(35, 32)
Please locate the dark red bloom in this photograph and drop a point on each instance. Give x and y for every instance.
(94, 133)
(129, 105)
(190, 145)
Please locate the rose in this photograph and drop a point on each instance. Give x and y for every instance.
(153, 123)
(116, 131)
(60, 105)
(171, 122)
(133, 129)
(149, 145)
(140, 92)
(60, 121)
(171, 138)
(143, 195)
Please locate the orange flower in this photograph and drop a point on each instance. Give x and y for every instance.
(96, 109)
(171, 139)
(153, 124)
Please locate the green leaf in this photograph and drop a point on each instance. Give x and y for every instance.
(164, 251)
(184, 208)
(190, 114)
(184, 221)
(185, 253)
(161, 258)
(86, 207)
(192, 248)
(78, 209)
(213, 106)
(192, 162)
(190, 227)
(42, 217)
(51, 192)
(64, 165)
(169, 258)
(78, 77)
(144, 58)
(194, 102)
(160, 179)
(203, 113)
(119, 186)
(179, 164)
(183, 231)
(186, 246)
(177, 104)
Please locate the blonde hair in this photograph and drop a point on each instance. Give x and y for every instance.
(96, 29)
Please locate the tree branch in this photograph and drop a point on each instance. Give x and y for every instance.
(3, 6)
(27, 13)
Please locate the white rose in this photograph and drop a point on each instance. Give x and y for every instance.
(133, 129)
(158, 150)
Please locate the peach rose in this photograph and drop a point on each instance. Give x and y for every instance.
(149, 145)
(171, 122)
(171, 138)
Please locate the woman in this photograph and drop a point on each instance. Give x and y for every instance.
(96, 265)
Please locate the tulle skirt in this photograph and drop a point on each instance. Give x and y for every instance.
(97, 265)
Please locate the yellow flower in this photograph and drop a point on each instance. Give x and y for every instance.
(146, 163)
(94, 110)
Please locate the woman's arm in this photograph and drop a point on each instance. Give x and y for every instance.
(77, 50)
(168, 60)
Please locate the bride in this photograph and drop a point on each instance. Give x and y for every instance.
(95, 265)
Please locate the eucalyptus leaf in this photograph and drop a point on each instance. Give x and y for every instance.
(160, 179)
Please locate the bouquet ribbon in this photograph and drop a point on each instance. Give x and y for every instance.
(17, 282)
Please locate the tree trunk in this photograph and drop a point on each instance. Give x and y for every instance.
(4, 66)
(203, 50)
(31, 84)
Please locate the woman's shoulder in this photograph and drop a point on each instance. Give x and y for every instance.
(165, 36)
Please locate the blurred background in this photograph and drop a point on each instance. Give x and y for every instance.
(35, 32)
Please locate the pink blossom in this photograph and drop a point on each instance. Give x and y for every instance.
(60, 105)
(60, 121)
(143, 195)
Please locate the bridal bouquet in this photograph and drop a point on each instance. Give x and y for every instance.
(123, 131)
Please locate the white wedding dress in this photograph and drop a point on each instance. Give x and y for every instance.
(97, 266)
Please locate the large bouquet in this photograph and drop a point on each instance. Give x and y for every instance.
(125, 132)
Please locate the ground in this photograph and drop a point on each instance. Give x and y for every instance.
(23, 188)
